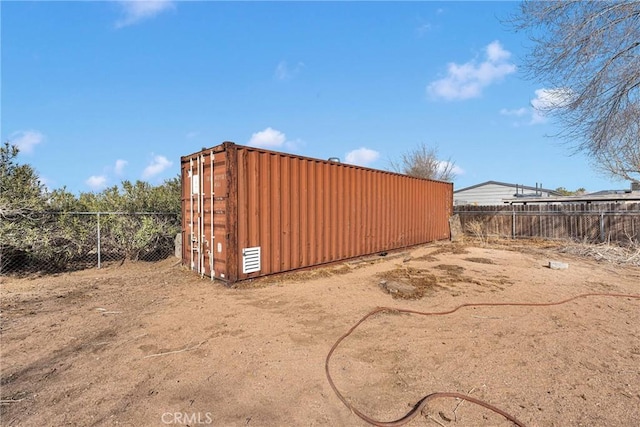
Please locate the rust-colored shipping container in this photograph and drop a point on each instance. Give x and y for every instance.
(249, 212)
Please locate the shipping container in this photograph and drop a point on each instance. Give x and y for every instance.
(249, 212)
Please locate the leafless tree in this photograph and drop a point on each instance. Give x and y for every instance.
(622, 158)
(589, 54)
(422, 162)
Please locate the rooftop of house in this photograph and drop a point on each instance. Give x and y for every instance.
(514, 186)
(616, 196)
(613, 196)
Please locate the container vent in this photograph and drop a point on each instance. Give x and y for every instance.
(251, 260)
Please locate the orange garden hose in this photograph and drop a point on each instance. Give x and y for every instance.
(422, 402)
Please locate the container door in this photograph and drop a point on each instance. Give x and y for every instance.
(209, 197)
(204, 213)
(206, 204)
(218, 215)
(213, 215)
(194, 213)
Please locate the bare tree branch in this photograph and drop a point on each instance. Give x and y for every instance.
(422, 162)
(591, 50)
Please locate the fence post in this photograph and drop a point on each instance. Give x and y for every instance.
(513, 222)
(602, 235)
(99, 260)
(540, 232)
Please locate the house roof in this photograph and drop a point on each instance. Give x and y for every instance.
(606, 192)
(585, 198)
(506, 184)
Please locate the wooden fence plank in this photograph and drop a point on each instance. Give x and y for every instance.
(592, 222)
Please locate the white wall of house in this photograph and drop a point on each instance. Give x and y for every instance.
(493, 193)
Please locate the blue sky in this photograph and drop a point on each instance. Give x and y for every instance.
(98, 92)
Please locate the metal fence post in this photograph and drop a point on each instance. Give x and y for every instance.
(99, 260)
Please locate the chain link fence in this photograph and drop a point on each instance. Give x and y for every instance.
(52, 241)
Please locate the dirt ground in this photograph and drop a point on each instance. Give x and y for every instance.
(154, 344)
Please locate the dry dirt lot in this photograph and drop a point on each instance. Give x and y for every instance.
(155, 345)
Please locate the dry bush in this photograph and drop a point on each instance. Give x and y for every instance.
(478, 230)
(628, 254)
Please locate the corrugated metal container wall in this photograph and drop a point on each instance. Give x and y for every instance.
(274, 212)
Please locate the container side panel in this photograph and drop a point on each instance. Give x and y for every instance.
(232, 250)
(363, 243)
(275, 214)
(392, 225)
(266, 197)
(359, 218)
(220, 213)
(288, 199)
(303, 212)
(369, 206)
(374, 196)
(337, 216)
(254, 189)
(332, 202)
(244, 208)
(325, 207)
(312, 218)
(379, 219)
(295, 240)
(404, 215)
(352, 206)
(304, 248)
(382, 212)
(414, 200)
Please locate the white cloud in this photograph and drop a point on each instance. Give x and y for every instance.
(192, 134)
(158, 165)
(46, 182)
(518, 113)
(547, 100)
(443, 165)
(458, 170)
(362, 156)
(468, 80)
(284, 72)
(268, 138)
(495, 52)
(138, 10)
(96, 182)
(26, 140)
(537, 117)
(119, 167)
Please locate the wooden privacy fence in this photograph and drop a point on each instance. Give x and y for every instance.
(602, 222)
